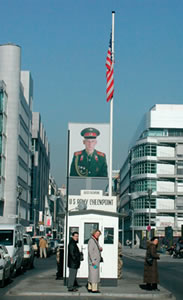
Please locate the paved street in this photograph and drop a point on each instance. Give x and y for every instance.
(170, 269)
(40, 283)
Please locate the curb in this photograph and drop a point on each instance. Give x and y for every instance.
(147, 295)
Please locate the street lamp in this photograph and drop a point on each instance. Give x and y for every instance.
(132, 218)
(34, 213)
(132, 227)
(149, 192)
(122, 215)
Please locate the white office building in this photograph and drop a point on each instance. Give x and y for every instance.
(151, 179)
(16, 91)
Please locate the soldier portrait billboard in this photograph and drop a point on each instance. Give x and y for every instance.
(89, 150)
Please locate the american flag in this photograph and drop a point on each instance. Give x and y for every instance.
(110, 72)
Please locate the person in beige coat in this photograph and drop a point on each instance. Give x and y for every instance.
(94, 259)
(42, 246)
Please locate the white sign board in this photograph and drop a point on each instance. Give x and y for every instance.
(41, 227)
(91, 192)
(12, 216)
(105, 203)
(40, 216)
(29, 229)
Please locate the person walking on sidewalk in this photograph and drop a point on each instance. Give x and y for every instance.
(94, 259)
(73, 262)
(151, 277)
(120, 262)
(42, 247)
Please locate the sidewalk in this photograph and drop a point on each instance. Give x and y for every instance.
(140, 253)
(44, 284)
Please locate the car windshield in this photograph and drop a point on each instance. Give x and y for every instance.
(6, 237)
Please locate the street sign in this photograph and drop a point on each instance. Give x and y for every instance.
(41, 227)
(29, 229)
(148, 228)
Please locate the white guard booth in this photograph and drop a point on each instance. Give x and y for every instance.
(87, 212)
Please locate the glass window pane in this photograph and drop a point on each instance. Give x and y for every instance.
(108, 235)
(88, 230)
(6, 237)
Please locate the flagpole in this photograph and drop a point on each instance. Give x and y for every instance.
(111, 115)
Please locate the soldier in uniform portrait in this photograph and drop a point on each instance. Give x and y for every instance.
(89, 162)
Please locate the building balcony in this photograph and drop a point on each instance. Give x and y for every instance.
(170, 210)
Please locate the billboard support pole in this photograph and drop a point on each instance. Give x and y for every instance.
(111, 115)
(66, 209)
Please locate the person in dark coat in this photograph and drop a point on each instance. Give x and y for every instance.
(73, 262)
(151, 277)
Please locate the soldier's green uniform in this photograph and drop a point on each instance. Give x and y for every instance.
(85, 165)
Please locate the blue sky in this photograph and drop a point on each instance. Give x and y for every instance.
(64, 45)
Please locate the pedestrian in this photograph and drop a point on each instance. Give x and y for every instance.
(73, 262)
(59, 259)
(151, 277)
(94, 259)
(42, 247)
(120, 262)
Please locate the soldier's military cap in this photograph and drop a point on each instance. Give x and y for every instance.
(90, 133)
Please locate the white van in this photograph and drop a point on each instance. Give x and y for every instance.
(11, 236)
(28, 260)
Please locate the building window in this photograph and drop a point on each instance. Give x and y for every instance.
(143, 185)
(1, 208)
(0, 144)
(143, 203)
(156, 132)
(141, 220)
(144, 150)
(144, 168)
(175, 132)
(1, 101)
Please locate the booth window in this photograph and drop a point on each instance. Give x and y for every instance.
(88, 230)
(73, 229)
(108, 235)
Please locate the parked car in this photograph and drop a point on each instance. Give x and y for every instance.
(11, 236)
(5, 265)
(54, 245)
(28, 259)
(35, 242)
